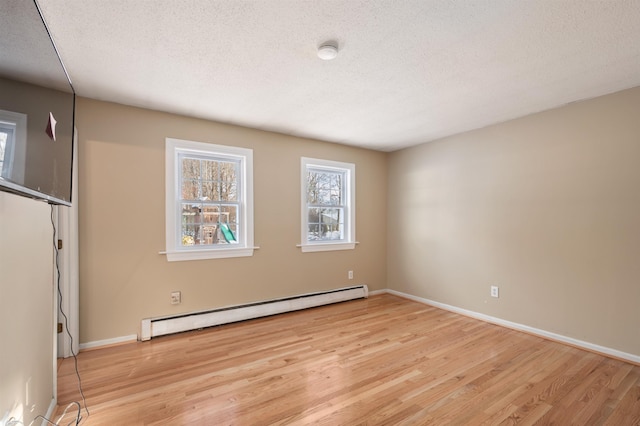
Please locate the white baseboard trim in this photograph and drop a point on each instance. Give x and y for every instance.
(109, 342)
(377, 292)
(521, 327)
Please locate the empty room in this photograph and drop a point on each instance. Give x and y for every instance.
(319, 212)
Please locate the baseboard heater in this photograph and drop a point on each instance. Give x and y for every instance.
(153, 327)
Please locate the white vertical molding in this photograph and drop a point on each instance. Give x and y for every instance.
(55, 219)
(69, 268)
(61, 224)
(73, 253)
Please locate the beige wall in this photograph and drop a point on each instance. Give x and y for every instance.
(547, 207)
(123, 279)
(26, 308)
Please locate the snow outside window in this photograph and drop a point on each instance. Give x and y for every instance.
(328, 205)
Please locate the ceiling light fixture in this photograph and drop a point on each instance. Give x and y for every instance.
(328, 51)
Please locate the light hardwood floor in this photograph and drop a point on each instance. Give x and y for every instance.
(383, 360)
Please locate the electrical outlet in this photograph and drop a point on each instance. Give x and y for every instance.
(350, 275)
(495, 291)
(176, 298)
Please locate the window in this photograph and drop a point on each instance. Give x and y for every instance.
(328, 205)
(209, 201)
(6, 145)
(13, 130)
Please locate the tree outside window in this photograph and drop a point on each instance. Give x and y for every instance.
(328, 205)
(209, 201)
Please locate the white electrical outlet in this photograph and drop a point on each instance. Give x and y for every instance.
(495, 291)
(350, 275)
(176, 298)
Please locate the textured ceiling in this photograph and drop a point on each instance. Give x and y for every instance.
(408, 71)
(26, 52)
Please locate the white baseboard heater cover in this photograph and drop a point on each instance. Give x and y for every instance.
(153, 327)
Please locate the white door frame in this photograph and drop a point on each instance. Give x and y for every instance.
(69, 268)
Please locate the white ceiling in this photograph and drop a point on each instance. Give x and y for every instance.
(408, 72)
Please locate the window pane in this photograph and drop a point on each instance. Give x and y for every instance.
(209, 235)
(324, 181)
(228, 191)
(190, 224)
(209, 170)
(336, 181)
(3, 143)
(210, 191)
(312, 187)
(313, 233)
(325, 188)
(190, 168)
(210, 214)
(189, 235)
(332, 225)
(330, 216)
(191, 213)
(228, 171)
(228, 224)
(324, 196)
(209, 224)
(190, 190)
(338, 234)
(228, 181)
(335, 197)
(336, 194)
(229, 214)
(314, 216)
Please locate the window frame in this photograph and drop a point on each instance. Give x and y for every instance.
(349, 194)
(175, 251)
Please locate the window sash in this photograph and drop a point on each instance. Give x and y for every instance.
(197, 228)
(326, 205)
(207, 220)
(218, 181)
(211, 228)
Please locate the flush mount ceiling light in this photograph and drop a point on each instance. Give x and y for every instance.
(328, 51)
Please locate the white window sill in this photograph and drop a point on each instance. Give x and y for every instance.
(307, 248)
(173, 256)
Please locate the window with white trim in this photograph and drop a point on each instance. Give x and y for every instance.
(13, 131)
(209, 201)
(7, 130)
(328, 205)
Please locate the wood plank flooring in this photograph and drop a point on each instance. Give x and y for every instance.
(380, 361)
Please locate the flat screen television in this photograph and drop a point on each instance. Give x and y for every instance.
(37, 108)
